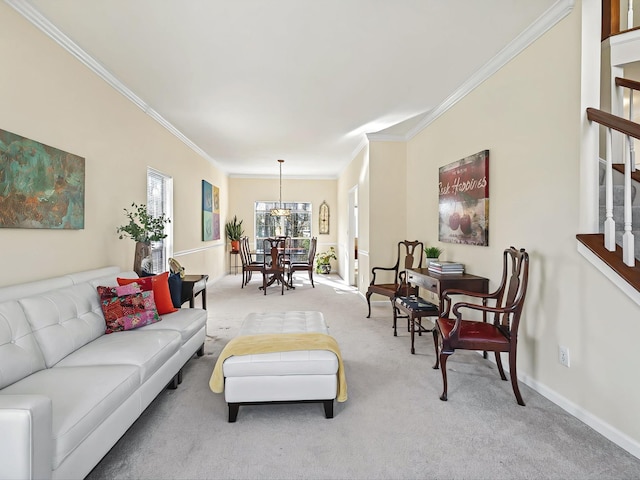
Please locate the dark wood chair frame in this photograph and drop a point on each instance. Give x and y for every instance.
(306, 266)
(499, 336)
(406, 259)
(249, 265)
(273, 264)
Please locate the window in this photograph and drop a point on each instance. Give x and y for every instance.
(297, 226)
(159, 201)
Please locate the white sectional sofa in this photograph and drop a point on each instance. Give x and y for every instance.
(68, 392)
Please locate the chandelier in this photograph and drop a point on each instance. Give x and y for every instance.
(280, 212)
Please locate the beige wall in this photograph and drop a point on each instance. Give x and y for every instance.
(49, 96)
(244, 192)
(528, 115)
(356, 174)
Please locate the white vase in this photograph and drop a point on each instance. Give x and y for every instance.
(429, 260)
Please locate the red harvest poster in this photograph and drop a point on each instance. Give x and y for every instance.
(464, 200)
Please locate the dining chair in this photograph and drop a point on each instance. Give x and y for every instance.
(273, 263)
(304, 266)
(249, 264)
(501, 335)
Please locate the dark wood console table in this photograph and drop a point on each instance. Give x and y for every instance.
(192, 286)
(436, 283)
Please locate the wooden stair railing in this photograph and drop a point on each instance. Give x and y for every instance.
(621, 260)
(611, 18)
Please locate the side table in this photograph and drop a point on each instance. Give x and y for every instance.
(234, 254)
(192, 286)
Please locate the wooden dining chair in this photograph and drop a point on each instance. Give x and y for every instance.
(304, 266)
(273, 263)
(249, 264)
(501, 335)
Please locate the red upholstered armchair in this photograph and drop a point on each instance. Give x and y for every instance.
(504, 305)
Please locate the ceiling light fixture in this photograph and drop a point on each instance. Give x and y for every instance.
(280, 212)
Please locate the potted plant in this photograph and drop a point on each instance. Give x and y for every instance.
(432, 253)
(323, 260)
(234, 233)
(143, 228)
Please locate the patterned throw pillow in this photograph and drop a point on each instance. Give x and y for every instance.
(160, 286)
(127, 307)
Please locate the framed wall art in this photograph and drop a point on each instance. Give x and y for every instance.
(323, 219)
(464, 200)
(210, 212)
(40, 186)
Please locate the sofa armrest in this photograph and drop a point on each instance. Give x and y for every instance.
(26, 440)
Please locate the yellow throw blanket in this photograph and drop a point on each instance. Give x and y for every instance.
(280, 342)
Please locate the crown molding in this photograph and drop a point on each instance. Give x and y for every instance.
(545, 22)
(386, 137)
(43, 24)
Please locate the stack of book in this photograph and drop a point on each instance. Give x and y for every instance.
(441, 267)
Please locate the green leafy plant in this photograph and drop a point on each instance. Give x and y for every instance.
(323, 259)
(143, 227)
(234, 229)
(432, 252)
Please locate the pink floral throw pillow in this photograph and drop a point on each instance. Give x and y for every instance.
(126, 307)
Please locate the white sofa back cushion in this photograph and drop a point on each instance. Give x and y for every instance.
(64, 320)
(20, 355)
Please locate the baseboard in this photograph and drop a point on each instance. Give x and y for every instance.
(603, 428)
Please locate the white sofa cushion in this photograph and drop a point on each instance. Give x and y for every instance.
(81, 398)
(186, 321)
(64, 320)
(146, 350)
(20, 355)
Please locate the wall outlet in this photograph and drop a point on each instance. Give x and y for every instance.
(563, 356)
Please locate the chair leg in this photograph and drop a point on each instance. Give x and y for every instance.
(264, 283)
(499, 363)
(311, 277)
(514, 378)
(435, 344)
(395, 319)
(368, 295)
(443, 361)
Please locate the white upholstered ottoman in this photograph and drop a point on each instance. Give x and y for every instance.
(280, 357)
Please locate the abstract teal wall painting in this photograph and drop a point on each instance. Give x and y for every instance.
(40, 186)
(207, 211)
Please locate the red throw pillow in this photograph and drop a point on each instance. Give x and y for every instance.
(160, 286)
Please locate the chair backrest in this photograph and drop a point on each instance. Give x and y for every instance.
(245, 253)
(273, 252)
(409, 256)
(513, 288)
(312, 250)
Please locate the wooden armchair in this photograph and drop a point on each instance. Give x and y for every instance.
(501, 335)
(409, 256)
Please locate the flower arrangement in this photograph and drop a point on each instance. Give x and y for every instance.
(323, 260)
(143, 227)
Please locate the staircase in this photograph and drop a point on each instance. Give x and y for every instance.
(618, 208)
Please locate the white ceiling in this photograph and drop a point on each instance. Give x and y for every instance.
(252, 81)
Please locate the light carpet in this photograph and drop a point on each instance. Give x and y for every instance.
(393, 426)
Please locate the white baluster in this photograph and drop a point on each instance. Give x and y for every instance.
(632, 153)
(609, 223)
(630, 15)
(628, 247)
